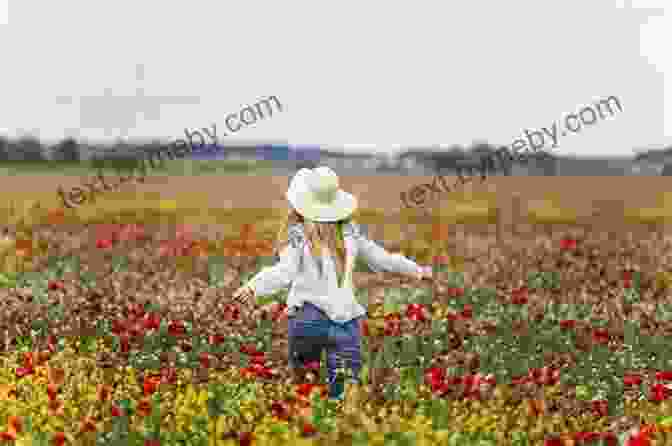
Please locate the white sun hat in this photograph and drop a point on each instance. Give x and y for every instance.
(315, 194)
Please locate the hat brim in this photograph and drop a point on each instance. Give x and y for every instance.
(342, 207)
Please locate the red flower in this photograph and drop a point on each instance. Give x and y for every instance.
(632, 380)
(58, 439)
(435, 375)
(280, 410)
(567, 243)
(664, 375)
(231, 312)
(137, 329)
(103, 243)
(305, 389)
(365, 328)
(627, 276)
(15, 425)
(52, 390)
(151, 384)
(116, 411)
(453, 316)
(28, 360)
(416, 312)
(660, 392)
(23, 371)
(520, 380)
(204, 359)
(601, 335)
(545, 376)
(519, 296)
(392, 325)
(567, 323)
(56, 285)
(152, 442)
(245, 438)
(308, 429)
(600, 407)
(611, 438)
(258, 370)
(553, 442)
(7, 436)
(259, 359)
(467, 311)
(640, 439)
(455, 292)
(216, 339)
(453, 380)
(124, 339)
(392, 329)
(119, 326)
(441, 389)
(152, 321)
(472, 384)
(176, 328)
(250, 349)
(136, 310)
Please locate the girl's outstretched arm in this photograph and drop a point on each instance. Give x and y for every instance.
(279, 276)
(380, 260)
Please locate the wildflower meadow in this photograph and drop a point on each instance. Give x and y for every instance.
(119, 327)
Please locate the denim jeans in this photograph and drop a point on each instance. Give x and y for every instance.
(311, 331)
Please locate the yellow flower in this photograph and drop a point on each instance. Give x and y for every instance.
(167, 205)
(203, 398)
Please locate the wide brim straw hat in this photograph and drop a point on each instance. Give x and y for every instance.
(316, 195)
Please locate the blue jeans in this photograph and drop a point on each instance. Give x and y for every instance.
(311, 331)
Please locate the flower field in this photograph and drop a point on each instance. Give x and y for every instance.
(122, 330)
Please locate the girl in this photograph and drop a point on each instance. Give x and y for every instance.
(317, 247)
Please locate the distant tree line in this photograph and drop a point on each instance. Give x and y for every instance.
(449, 160)
(129, 155)
(68, 150)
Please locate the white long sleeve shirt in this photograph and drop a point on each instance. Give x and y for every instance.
(297, 267)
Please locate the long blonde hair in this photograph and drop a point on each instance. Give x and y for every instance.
(319, 235)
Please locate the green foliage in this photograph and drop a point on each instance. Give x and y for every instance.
(216, 269)
(227, 398)
(547, 280)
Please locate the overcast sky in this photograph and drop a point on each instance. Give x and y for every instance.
(354, 74)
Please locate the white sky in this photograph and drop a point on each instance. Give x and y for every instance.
(375, 74)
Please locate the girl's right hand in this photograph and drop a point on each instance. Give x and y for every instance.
(426, 272)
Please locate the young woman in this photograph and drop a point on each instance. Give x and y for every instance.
(317, 247)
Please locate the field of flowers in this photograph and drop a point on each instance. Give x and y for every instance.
(121, 331)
